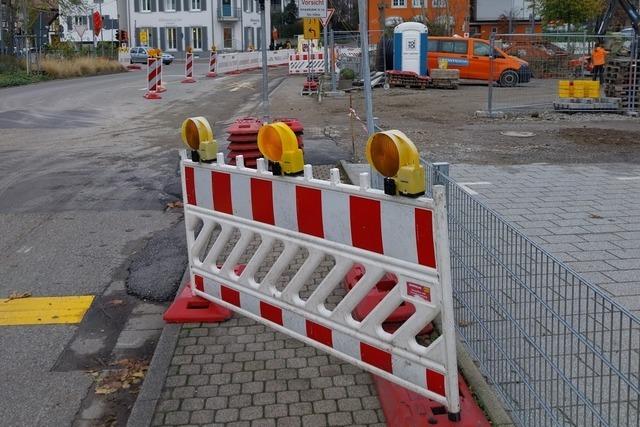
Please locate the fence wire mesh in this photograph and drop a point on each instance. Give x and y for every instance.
(556, 57)
(556, 349)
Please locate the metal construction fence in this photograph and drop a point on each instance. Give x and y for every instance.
(555, 348)
(559, 57)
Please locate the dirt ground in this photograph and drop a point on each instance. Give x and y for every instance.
(443, 126)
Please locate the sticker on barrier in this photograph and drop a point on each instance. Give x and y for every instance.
(251, 212)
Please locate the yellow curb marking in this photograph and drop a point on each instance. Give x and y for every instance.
(44, 310)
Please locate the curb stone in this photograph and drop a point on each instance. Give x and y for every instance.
(144, 407)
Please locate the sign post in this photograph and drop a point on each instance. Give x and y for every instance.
(325, 24)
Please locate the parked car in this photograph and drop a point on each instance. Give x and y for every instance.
(140, 54)
(471, 57)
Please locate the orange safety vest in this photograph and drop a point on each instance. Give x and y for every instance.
(598, 56)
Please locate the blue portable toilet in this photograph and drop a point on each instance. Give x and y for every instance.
(410, 47)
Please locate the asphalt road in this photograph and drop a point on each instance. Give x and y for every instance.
(87, 167)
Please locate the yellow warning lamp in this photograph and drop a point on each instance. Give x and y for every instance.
(394, 156)
(189, 49)
(198, 137)
(279, 145)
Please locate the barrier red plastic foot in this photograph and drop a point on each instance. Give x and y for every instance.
(212, 74)
(404, 408)
(152, 95)
(188, 80)
(161, 89)
(132, 67)
(189, 308)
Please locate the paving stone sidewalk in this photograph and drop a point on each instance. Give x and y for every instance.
(243, 374)
(586, 215)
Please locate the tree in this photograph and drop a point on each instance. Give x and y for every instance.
(573, 12)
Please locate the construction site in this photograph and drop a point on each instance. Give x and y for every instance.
(384, 227)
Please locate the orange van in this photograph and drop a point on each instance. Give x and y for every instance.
(471, 57)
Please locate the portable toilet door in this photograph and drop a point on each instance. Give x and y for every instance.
(410, 46)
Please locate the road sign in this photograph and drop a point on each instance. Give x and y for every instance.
(312, 8)
(311, 28)
(324, 21)
(144, 38)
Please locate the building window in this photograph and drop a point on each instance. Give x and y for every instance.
(172, 39)
(399, 3)
(195, 4)
(145, 5)
(227, 34)
(439, 3)
(170, 5)
(79, 20)
(196, 37)
(418, 3)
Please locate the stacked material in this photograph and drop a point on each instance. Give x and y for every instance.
(620, 81)
(445, 78)
(407, 79)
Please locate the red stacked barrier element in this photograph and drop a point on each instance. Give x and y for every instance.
(377, 294)
(295, 126)
(404, 408)
(243, 138)
(191, 308)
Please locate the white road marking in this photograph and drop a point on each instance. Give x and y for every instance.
(465, 186)
(243, 85)
(628, 178)
(25, 249)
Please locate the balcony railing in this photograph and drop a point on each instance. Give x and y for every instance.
(226, 11)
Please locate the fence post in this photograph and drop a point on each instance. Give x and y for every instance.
(492, 43)
(439, 168)
(333, 60)
(633, 77)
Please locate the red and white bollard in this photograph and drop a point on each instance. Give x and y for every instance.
(213, 64)
(188, 69)
(161, 87)
(152, 79)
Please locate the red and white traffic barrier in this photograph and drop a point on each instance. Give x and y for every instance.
(161, 87)
(349, 224)
(188, 69)
(153, 77)
(213, 64)
(302, 63)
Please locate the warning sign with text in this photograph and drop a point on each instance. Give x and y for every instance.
(312, 8)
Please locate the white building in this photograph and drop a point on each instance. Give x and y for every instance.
(77, 23)
(174, 25)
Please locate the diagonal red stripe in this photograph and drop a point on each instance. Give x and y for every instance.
(271, 313)
(319, 333)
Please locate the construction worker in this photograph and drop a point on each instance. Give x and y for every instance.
(598, 59)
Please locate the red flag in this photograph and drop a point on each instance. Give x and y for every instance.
(97, 23)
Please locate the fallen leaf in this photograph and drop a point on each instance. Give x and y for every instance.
(139, 374)
(105, 390)
(18, 295)
(175, 205)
